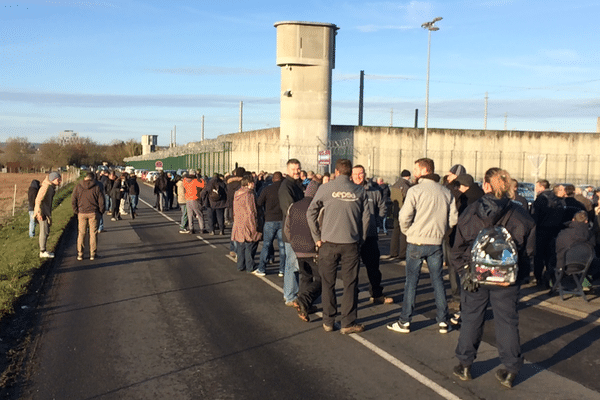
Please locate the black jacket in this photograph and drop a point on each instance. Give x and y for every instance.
(290, 192)
(32, 192)
(218, 184)
(269, 199)
(469, 197)
(297, 229)
(481, 214)
(575, 232)
(548, 211)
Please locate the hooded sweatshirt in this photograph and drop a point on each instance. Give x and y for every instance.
(43, 200)
(574, 233)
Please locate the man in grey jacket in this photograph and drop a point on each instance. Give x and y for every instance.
(345, 213)
(429, 211)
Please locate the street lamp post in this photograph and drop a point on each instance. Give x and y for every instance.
(430, 26)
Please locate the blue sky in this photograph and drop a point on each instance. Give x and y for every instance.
(121, 69)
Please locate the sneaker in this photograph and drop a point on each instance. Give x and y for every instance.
(290, 303)
(184, 231)
(280, 274)
(388, 257)
(212, 233)
(354, 328)
(455, 318)
(505, 377)
(113, 219)
(463, 373)
(46, 254)
(331, 328)
(382, 300)
(79, 257)
(92, 256)
(444, 327)
(402, 327)
(258, 273)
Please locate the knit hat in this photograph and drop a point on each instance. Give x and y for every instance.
(464, 180)
(458, 169)
(405, 173)
(311, 189)
(53, 175)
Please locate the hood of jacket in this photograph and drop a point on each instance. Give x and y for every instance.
(35, 184)
(88, 184)
(579, 231)
(490, 208)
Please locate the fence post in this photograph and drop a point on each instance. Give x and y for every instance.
(14, 200)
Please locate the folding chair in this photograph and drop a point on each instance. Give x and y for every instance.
(577, 263)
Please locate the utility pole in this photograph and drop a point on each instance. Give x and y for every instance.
(241, 111)
(392, 117)
(174, 135)
(416, 118)
(202, 130)
(485, 112)
(361, 98)
(505, 121)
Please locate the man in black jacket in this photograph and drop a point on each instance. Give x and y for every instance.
(272, 229)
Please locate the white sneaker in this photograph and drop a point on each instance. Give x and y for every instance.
(444, 327)
(402, 327)
(280, 274)
(46, 254)
(258, 273)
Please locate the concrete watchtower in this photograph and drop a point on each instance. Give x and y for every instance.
(306, 53)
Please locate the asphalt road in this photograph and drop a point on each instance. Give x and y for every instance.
(162, 315)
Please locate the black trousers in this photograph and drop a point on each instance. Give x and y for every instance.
(369, 254)
(506, 321)
(545, 253)
(310, 282)
(398, 242)
(348, 257)
(219, 215)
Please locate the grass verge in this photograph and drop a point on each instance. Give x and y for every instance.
(19, 254)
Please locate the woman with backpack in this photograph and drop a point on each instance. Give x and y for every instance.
(494, 210)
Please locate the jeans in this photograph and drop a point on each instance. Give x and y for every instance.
(133, 202)
(245, 255)
(183, 225)
(290, 276)
(415, 254)
(271, 230)
(101, 223)
(108, 203)
(31, 224)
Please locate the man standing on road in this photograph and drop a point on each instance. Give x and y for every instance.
(290, 191)
(43, 209)
(88, 203)
(397, 195)
(369, 251)
(346, 217)
(269, 200)
(192, 188)
(427, 214)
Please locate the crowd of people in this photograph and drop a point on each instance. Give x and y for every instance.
(325, 224)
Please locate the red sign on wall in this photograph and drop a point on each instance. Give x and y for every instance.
(158, 164)
(324, 157)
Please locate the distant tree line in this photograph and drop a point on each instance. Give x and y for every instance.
(53, 155)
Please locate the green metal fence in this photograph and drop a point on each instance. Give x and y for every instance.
(208, 161)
